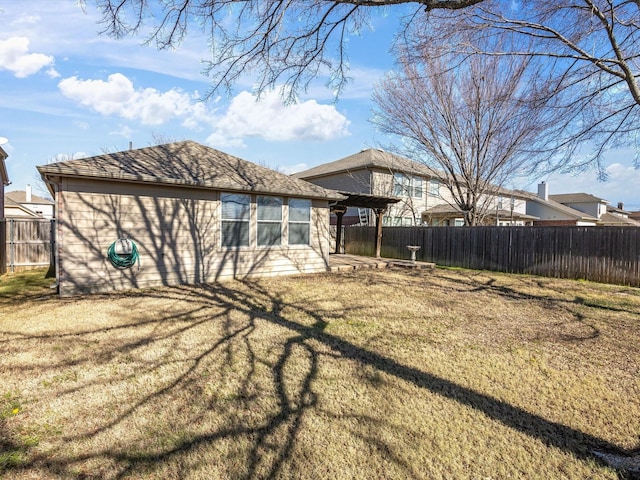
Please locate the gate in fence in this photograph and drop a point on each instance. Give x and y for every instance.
(28, 243)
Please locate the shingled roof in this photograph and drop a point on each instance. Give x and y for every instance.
(187, 163)
(571, 212)
(369, 158)
(576, 198)
(20, 196)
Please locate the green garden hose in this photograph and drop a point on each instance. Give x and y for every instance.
(123, 261)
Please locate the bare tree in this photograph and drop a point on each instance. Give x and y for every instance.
(589, 49)
(476, 121)
(284, 42)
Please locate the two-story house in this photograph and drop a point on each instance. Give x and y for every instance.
(574, 209)
(424, 199)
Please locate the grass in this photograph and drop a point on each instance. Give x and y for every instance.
(24, 285)
(371, 374)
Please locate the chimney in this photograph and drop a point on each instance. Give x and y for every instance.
(620, 206)
(543, 191)
(28, 194)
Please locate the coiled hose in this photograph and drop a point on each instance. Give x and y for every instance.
(123, 261)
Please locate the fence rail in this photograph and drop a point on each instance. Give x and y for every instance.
(601, 254)
(28, 243)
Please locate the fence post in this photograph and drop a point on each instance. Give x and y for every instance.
(12, 245)
(3, 245)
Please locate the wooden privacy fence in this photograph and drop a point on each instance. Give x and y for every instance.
(28, 243)
(600, 254)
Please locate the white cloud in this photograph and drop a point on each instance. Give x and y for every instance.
(268, 118)
(272, 120)
(123, 131)
(14, 57)
(117, 96)
(53, 73)
(298, 167)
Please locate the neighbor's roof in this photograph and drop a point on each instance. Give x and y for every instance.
(4, 176)
(20, 196)
(572, 212)
(191, 164)
(369, 158)
(11, 205)
(576, 198)
(616, 220)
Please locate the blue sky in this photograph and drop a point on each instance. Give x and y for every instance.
(68, 91)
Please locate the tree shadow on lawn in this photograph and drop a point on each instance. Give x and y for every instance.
(272, 439)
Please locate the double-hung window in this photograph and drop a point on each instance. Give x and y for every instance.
(399, 184)
(417, 187)
(299, 221)
(236, 208)
(269, 221)
(434, 187)
(407, 186)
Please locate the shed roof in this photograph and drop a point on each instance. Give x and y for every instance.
(191, 164)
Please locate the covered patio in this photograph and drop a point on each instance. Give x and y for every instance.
(377, 203)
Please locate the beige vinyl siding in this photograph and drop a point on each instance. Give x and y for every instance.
(177, 233)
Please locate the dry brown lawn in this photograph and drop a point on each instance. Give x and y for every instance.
(365, 375)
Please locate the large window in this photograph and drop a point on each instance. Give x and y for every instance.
(269, 221)
(407, 186)
(236, 209)
(299, 221)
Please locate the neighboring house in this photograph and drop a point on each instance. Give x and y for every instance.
(15, 210)
(618, 217)
(579, 209)
(23, 203)
(424, 200)
(195, 214)
(553, 213)
(583, 202)
(635, 216)
(4, 179)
